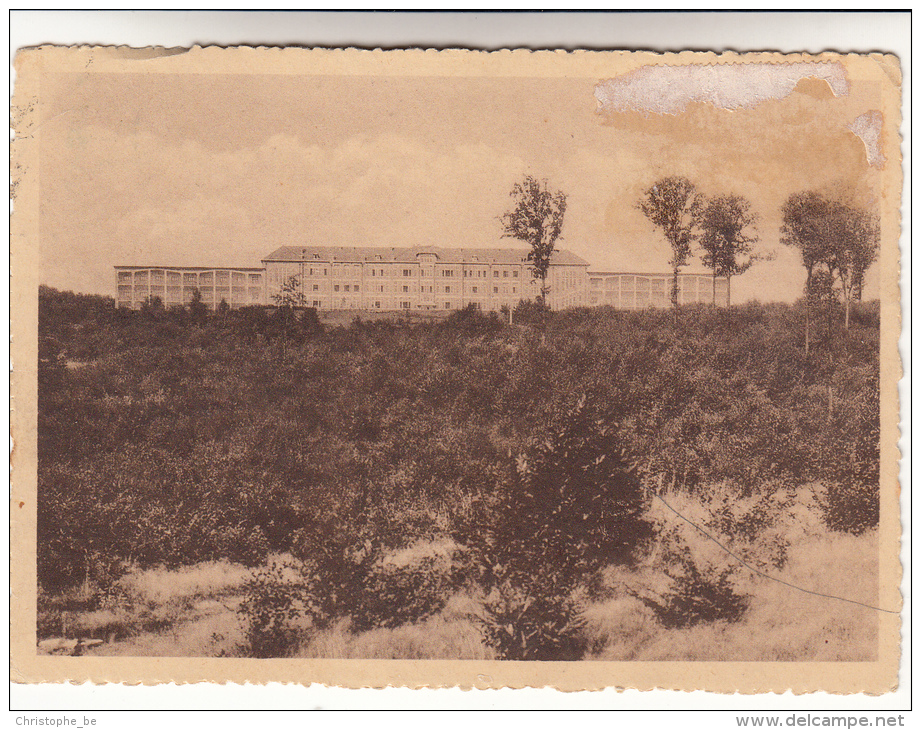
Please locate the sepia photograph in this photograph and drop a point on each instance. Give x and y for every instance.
(517, 359)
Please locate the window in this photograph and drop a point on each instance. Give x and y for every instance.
(407, 272)
(495, 290)
(405, 305)
(373, 272)
(495, 274)
(405, 288)
(474, 290)
(356, 287)
(316, 303)
(447, 272)
(377, 305)
(335, 287)
(316, 287)
(515, 274)
(505, 274)
(447, 305)
(346, 287)
(447, 290)
(514, 290)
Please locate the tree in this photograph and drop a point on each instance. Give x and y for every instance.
(290, 295)
(152, 308)
(575, 504)
(536, 219)
(805, 227)
(727, 237)
(198, 310)
(673, 205)
(835, 235)
(853, 246)
(289, 298)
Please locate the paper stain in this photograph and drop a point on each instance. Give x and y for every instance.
(664, 89)
(869, 127)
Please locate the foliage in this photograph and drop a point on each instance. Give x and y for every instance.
(673, 205)
(530, 312)
(164, 442)
(536, 219)
(269, 610)
(473, 322)
(832, 234)
(696, 595)
(575, 505)
(291, 293)
(523, 623)
(726, 235)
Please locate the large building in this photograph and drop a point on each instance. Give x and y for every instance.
(409, 278)
(333, 277)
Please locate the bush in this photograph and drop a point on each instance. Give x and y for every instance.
(696, 596)
(273, 602)
(525, 623)
(850, 507)
(693, 590)
(576, 505)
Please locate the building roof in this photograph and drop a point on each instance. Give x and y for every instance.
(410, 254)
(656, 274)
(254, 269)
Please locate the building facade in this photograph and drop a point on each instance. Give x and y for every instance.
(624, 290)
(395, 279)
(175, 285)
(399, 279)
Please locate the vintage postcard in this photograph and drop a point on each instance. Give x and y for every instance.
(456, 369)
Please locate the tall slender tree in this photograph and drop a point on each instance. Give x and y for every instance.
(727, 236)
(536, 219)
(673, 204)
(852, 248)
(806, 227)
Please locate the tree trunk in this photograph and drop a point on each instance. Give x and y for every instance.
(714, 287)
(675, 291)
(729, 299)
(847, 310)
(808, 305)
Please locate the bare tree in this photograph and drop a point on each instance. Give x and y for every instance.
(673, 205)
(727, 237)
(536, 219)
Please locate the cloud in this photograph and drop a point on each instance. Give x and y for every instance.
(669, 89)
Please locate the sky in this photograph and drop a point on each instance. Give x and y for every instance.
(210, 170)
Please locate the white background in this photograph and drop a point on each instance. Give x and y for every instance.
(787, 32)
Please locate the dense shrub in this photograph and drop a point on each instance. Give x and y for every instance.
(273, 602)
(576, 505)
(168, 439)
